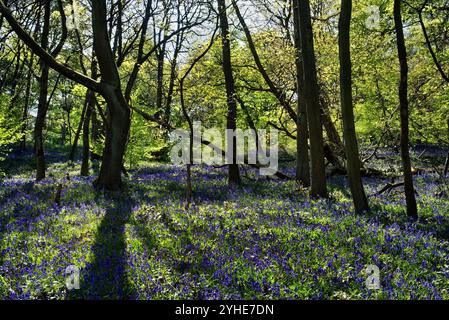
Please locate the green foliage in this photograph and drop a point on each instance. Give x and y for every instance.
(10, 128)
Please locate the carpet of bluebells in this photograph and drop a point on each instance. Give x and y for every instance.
(265, 240)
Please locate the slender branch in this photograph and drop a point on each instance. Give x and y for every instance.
(45, 56)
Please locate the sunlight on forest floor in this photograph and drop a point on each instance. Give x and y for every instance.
(265, 240)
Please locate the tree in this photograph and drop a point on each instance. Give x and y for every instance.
(90, 104)
(302, 137)
(231, 119)
(43, 104)
(118, 112)
(350, 139)
(312, 99)
(412, 210)
(435, 60)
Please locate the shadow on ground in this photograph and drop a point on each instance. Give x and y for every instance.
(106, 277)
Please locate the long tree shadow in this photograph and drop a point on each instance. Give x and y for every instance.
(106, 277)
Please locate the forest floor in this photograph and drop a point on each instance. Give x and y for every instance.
(265, 240)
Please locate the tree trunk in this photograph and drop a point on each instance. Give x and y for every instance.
(118, 113)
(80, 127)
(412, 210)
(331, 130)
(171, 88)
(446, 166)
(171, 85)
(160, 77)
(350, 138)
(233, 169)
(42, 104)
(23, 140)
(302, 143)
(40, 123)
(86, 146)
(311, 96)
(97, 130)
(86, 125)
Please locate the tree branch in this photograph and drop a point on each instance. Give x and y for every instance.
(45, 56)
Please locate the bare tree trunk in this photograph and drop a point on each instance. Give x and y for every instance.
(118, 114)
(189, 189)
(80, 127)
(412, 210)
(331, 130)
(311, 96)
(160, 77)
(26, 104)
(86, 125)
(42, 104)
(69, 125)
(231, 119)
(350, 138)
(40, 122)
(43, 87)
(173, 77)
(86, 146)
(446, 166)
(97, 126)
(302, 139)
(171, 86)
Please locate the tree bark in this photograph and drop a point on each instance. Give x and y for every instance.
(311, 96)
(412, 210)
(118, 111)
(86, 146)
(302, 139)
(160, 57)
(42, 104)
(86, 124)
(173, 77)
(80, 127)
(331, 130)
(446, 166)
(350, 138)
(23, 140)
(231, 119)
